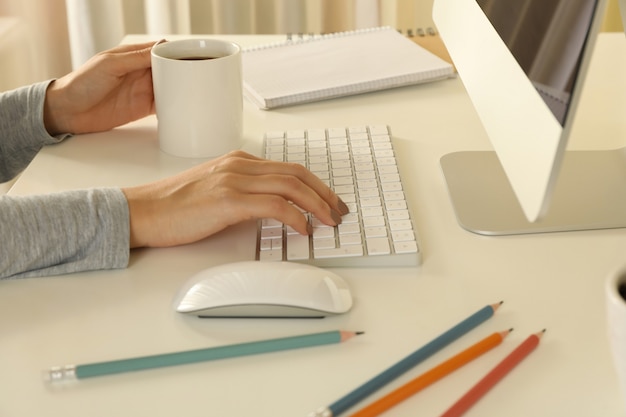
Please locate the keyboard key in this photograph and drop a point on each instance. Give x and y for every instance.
(326, 243)
(357, 129)
(379, 130)
(323, 232)
(369, 193)
(405, 247)
(316, 135)
(335, 132)
(402, 235)
(371, 232)
(268, 223)
(374, 211)
(344, 181)
(349, 228)
(373, 221)
(393, 196)
(349, 218)
(391, 205)
(398, 215)
(378, 246)
(271, 255)
(344, 189)
(297, 247)
(271, 233)
(400, 225)
(352, 239)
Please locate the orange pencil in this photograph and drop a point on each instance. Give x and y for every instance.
(432, 376)
(495, 375)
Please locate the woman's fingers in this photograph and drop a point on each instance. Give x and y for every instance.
(293, 181)
(225, 191)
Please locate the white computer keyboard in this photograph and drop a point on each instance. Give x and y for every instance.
(359, 164)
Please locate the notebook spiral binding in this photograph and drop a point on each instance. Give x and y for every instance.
(311, 37)
(419, 32)
(294, 38)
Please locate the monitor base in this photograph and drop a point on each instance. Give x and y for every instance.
(590, 193)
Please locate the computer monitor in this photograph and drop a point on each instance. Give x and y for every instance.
(523, 64)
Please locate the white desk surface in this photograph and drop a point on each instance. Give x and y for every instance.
(554, 281)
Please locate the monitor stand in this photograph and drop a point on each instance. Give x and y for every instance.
(590, 193)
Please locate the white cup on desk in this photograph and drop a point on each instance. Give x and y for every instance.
(616, 312)
(198, 97)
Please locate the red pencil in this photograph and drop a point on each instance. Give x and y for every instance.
(495, 375)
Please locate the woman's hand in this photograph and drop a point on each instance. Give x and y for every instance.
(233, 188)
(111, 89)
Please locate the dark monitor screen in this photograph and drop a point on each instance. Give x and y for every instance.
(547, 38)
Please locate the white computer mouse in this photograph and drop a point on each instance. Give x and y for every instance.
(264, 289)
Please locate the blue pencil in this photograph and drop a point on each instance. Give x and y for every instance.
(407, 363)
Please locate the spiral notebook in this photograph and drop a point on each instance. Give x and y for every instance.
(329, 66)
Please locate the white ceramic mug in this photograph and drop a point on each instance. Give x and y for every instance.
(616, 312)
(198, 97)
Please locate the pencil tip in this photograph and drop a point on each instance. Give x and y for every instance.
(506, 332)
(347, 335)
(496, 305)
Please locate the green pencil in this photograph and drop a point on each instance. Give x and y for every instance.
(73, 372)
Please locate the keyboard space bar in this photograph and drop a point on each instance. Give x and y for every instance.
(343, 252)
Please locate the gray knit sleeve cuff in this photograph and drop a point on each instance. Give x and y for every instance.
(37, 116)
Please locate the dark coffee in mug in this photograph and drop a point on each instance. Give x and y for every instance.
(196, 58)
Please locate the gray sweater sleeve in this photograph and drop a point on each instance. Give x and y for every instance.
(56, 233)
